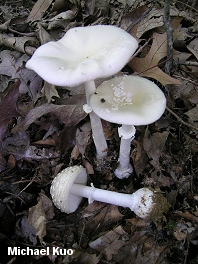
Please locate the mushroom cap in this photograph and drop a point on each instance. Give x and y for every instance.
(83, 54)
(60, 188)
(128, 100)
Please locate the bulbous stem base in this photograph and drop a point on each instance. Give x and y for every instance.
(123, 173)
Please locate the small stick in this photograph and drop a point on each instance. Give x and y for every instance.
(180, 120)
(169, 32)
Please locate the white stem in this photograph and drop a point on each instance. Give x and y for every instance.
(90, 89)
(95, 194)
(124, 169)
(96, 125)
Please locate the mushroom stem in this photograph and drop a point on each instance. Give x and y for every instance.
(141, 201)
(96, 125)
(90, 89)
(69, 187)
(124, 169)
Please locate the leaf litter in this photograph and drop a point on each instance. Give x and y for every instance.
(43, 129)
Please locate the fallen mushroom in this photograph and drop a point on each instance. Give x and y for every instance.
(81, 56)
(68, 188)
(129, 101)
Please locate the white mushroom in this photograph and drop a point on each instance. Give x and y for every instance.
(81, 56)
(68, 188)
(129, 101)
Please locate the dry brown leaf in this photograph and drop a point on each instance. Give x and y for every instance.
(37, 219)
(47, 206)
(129, 20)
(188, 216)
(154, 144)
(88, 166)
(99, 214)
(18, 43)
(39, 10)
(193, 47)
(111, 242)
(148, 66)
(27, 230)
(193, 113)
(49, 91)
(12, 65)
(152, 20)
(70, 115)
(8, 108)
(83, 135)
(58, 5)
(139, 157)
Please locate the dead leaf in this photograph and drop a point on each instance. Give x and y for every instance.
(37, 219)
(19, 146)
(148, 66)
(188, 216)
(193, 47)
(58, 5)
(8, 107)
(83, 135)
(39, 10)
(18, 43)
(47, 206)
(155, 20)
(27, 230)
(70, 115)
(49, 91)
(88, 166)
(99, 214)
(128, 22)
(110, 243)
(44, 36)
(12, 65)
(154, 144)
(193, 113)
(75, 153)
(62, 20)
(182, 231)
(139, 157)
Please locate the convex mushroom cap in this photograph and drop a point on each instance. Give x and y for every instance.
(61, 185)
(129, 100)
(83, 54)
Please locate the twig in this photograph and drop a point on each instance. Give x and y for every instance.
(32, 180)
(180, 120)
(169, 32)
(142, 17)
(183, 78)
(188, 63)
(191, 7)
(141, 48)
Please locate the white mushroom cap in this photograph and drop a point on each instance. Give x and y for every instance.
(61, 185)
(128, 100)
(83, 54)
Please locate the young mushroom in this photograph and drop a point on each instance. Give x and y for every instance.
(81, 56)
(129, 101)
(68, 188)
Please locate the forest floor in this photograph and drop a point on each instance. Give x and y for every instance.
(44, 129)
